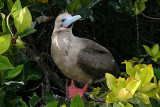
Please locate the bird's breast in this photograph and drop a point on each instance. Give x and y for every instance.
(65, 52)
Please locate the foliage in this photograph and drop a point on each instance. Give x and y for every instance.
(11, 75)
(128, 6)
(153, 52)
(139, 88)
(138, 85)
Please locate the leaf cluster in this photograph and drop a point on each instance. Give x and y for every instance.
(13, 75)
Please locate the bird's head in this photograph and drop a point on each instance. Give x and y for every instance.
(65, 21)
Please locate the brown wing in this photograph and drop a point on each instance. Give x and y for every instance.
(96, 60)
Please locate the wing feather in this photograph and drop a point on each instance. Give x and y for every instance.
(96, 60)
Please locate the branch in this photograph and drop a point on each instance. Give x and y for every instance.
(149, 17)
(41, 19)
(97, 98)
(137, 28)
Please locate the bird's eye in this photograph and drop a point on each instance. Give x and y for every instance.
(63, 20)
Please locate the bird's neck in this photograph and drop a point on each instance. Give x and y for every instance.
(60, 32)
(62, 29)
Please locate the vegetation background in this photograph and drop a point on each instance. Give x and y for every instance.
(28, 75)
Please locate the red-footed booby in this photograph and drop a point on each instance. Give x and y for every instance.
(79, 59)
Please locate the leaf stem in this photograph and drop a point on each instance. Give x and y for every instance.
(7, 18)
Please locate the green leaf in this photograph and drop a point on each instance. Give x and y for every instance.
(133, 86)
(52, 104)
(103, 95)
(157, 72)
(95, 92)
(77, 101)
(16, 8)
(155, 49)
(35, 74)
(155, 80)
(135, 100)
(134, 60)
(148, 50)
(23, 20)
(34, 99)
(129, 69)
(150, 89)
(64, 105)
(136, 69)
(157, 97)
(119, 104)
(93, 3)
(139, 7)
(73, 6)
(14, 72)
(1, 5)
(143, 1)
(141, 60)
(121, 83)
(146, 75)
(5, 41)
(26, 32)
(124, 94)
(4, 63)
(124, 74)
(111, 98)
(49, 97)
(14, 51)
(1, 97)
(19, 43)
(153, 102)
(111, 82)
(156, 57)
(143, 97)
(128, 105)
(4, 26)
(158, 61)
(85, 3)
(10, 4)
(23, 103)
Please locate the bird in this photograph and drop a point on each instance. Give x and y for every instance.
(79, 59)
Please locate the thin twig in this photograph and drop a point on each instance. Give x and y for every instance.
(137, 28)
(58, 90)
(33, 88)
(97, 98)
(62, 99)
(149, 17)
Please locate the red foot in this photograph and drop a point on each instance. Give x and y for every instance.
(73, 90)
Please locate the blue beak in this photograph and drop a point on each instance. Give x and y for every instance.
(70, 19)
